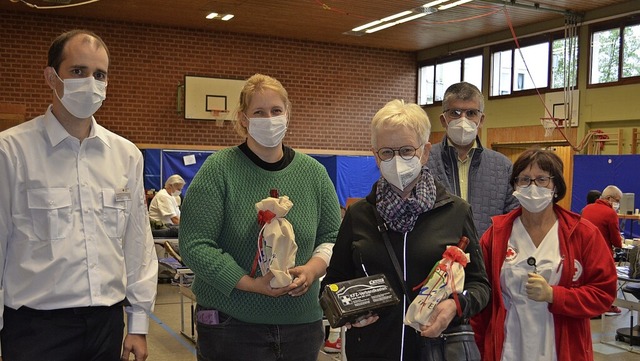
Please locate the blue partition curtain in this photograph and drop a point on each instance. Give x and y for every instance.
(352, 176)
(161, 164)
(597, 172)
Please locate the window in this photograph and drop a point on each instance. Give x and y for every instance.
(564, 60)
(472, 70)
(545, 62)
(446, 74)
(426, 85)
(615, 53)
(501, 73)
(605, 50)
(631, 51)
(532, 62)
(436, 76)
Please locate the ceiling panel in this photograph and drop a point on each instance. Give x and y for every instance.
(330, 20)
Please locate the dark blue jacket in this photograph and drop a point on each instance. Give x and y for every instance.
(490, 193)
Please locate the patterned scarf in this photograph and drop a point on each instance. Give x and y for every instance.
(401, 214)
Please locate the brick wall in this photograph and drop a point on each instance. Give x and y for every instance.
(335, 90)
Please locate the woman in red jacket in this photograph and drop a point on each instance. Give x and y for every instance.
(549, 270)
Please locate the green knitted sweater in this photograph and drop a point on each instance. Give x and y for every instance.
(219, 232)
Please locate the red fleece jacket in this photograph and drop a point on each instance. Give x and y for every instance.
(587, 286)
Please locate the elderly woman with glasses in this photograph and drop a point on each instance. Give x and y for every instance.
(548, 268)
(422, 219)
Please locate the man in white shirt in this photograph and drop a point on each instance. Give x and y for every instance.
(164, 206)
(75, 239)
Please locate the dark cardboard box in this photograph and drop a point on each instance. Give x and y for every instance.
(346, 301)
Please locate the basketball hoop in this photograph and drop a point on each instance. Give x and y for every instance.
(219, 115)
(549, 125)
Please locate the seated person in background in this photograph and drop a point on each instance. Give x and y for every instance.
(164, 207)
(593, 195)
(603, 213)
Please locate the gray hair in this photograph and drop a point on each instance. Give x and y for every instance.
(174, 179)
(611, 191)
(462, 91)
(399, 113)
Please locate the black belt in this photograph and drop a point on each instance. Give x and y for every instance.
(62, 312)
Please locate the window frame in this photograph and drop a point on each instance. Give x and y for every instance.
(620, 24)
(442, 60)
(546, 38)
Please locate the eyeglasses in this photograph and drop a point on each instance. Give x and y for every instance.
(405, 152)
(524, 182)
(471, 114)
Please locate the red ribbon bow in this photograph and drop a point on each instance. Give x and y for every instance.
(455, 254)
(265, 217)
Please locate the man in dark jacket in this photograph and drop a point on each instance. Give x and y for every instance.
(476, 174)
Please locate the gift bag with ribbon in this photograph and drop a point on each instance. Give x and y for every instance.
(446, 278)
(276, 241)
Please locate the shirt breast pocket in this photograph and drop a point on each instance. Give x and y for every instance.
(113, 213)
(50, 212)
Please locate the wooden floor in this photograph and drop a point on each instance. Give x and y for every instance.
(167, 344)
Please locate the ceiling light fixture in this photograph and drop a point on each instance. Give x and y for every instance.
(434, 3)
(377, 22)
(223, 17)
(449, 6)
(403, 17)
(403, 20)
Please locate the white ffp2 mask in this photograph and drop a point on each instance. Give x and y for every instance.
(400, 172)
(462, 131)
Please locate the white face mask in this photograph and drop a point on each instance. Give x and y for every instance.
(462, 131)
(615, 206)
(83, 96)
(401, 172)
(268, 132)
(176, 193)
(533, 198)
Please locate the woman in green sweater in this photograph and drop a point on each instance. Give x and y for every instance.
(239, 315)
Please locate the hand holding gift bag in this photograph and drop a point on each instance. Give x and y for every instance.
(277, 246)
(446, 278)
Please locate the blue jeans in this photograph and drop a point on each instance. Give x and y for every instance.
(235, 340)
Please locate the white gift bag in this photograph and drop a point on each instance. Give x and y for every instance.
(446, 277)
(277, 246)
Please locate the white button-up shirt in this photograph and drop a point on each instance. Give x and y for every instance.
(74, 228)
